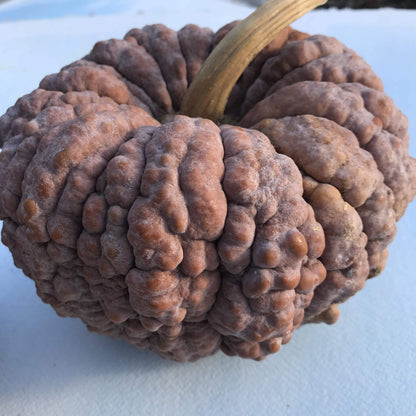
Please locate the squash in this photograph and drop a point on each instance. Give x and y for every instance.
(170, 190)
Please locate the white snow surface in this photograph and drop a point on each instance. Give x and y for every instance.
(363, 365)
(46, 9)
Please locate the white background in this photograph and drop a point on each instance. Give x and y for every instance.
(364, 364)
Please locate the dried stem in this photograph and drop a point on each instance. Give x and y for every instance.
(208, 94)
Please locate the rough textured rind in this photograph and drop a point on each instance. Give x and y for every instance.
(321, 99)
(196, 45)
(186, 237)
(136, 65)
(348, 67)
(294, 55)
(327, 152)
(390, 146)
(163, 45)
(268, 261)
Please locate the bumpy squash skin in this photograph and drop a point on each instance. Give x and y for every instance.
(185, 237)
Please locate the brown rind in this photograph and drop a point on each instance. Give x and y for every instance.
(186, 237)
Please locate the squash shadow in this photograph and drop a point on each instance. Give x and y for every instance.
(43, 354)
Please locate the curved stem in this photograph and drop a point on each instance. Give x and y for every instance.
(208, 94)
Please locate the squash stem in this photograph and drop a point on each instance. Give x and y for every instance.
(208, 94)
